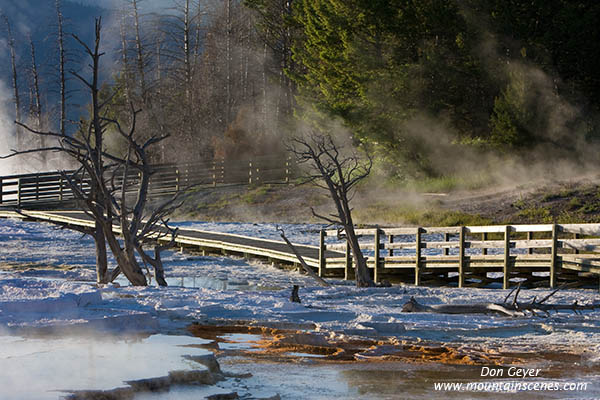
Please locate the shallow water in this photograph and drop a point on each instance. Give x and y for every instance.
(43, 367)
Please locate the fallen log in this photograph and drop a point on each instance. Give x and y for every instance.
(305, 266)
(477, 308)
(512, 309)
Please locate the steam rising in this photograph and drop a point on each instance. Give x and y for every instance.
(7, 129)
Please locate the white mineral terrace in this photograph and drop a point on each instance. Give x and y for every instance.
(209, 289)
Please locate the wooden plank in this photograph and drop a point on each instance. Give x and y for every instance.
(400, 245)
(553, 256)
(514, 244)
(583, 261)
(484, 244)
(397, 231)
(446, 239)
(579, 257)
(447, 266)
(506, 267)
(580, 244)
(485, 229)
(376, 243)
(336, 247)
(424, 258)
(582, 229)
(582, 267)
(461, 257)
(454, 230)
(514, 228)
(418, 257)
(532, 228)
(19, 193)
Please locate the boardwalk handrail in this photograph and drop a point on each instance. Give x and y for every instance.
(473, 251)
(45, 188)
(199, 240)
(567, 252)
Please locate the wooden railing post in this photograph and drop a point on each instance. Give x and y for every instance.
(287, 169)
(446, 239)
(530, 237)
(575, 235)
(348, 266)
(553, 256)
(214, 174)
(322, 261)
(60, 188)
(484, 237)
(506, 266)
(377, 243)
(390, 241)
(37, 187)
(461, 257)
(1, 191)
(418, 257)
(223, 170)
(19, 192)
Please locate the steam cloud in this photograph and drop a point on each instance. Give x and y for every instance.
(7, 129)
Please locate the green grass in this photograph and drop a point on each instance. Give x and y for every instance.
(536, 215)
(574, 204)
(255, 195)
(589, 208)
(416, 216)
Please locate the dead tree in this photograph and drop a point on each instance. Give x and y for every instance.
(15, 81)
(514, 308)
(60, 42)
(35, 107)
(110, 176)
(339, 174)
(305, 266)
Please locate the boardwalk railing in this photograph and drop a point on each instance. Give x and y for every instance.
(44, 189)
(467, 254)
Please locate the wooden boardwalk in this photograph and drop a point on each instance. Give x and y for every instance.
(539, 255)
(50, 190)
(195, 240)
(546, 254)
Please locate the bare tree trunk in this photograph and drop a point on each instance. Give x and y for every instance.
(362, 275)
(36, 88)
(127, 263)
(229, 62)
(124, 58)
(187, 51)
(339, 175)
(102, 201)
(61, 69)
(264, 87)
(15, 82)
(98, 197)
(139, 50)
(101, 257)
(159, 272)
(37, 105)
